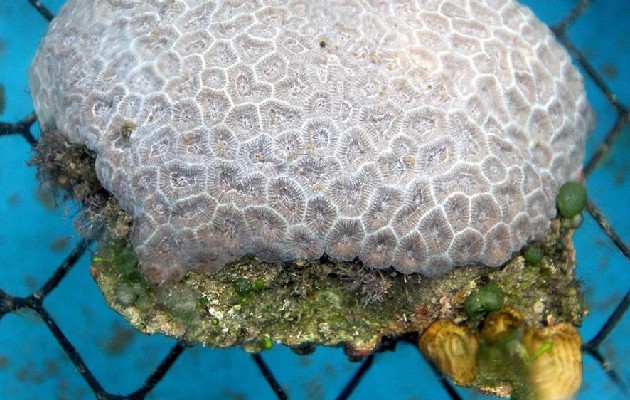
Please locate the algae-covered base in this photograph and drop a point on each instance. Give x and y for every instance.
(251, 303)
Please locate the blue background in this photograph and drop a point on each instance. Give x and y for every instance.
(36, 235)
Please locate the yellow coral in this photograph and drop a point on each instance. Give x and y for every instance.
(453, 349)
(500, 324)
(555, 373)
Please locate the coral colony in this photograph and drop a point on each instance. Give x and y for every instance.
(422, 135)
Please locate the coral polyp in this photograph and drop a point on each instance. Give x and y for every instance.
(453, 348)
(556, 373)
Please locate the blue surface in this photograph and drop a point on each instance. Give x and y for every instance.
(32, 238)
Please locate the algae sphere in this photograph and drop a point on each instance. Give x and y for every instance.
(571, 199)
(533, 254)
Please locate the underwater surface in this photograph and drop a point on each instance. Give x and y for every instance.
(36, 235)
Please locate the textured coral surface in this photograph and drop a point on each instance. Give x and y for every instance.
(419, 134)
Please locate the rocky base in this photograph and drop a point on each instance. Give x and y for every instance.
(253, 304)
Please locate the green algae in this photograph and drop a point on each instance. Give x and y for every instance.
(243, 286)
(486, 299)
(331, 303)
(533, 254)
(571, 199)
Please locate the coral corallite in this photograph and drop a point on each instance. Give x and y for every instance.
(422, 135)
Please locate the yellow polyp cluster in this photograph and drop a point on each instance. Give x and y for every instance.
(505, 357)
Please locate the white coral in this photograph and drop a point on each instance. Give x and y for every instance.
(419, 134)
